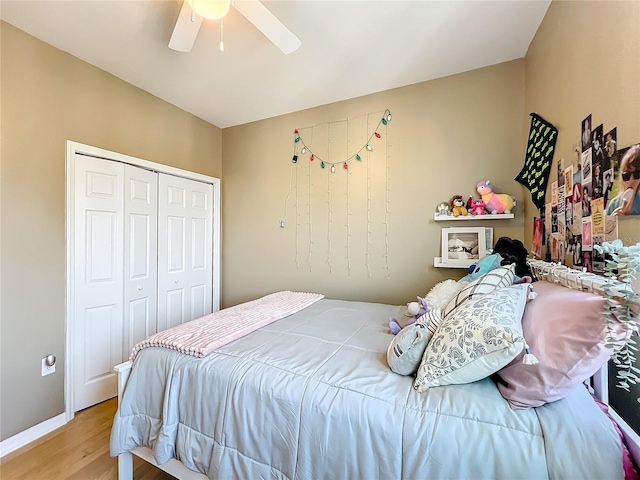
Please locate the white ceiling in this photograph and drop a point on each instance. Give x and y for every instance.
(349, 48)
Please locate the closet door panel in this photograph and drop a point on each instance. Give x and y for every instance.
(140, 253)
(201, 258)
(184, 250)
(97, 282)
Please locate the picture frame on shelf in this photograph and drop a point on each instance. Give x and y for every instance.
(488, 235)
(462, 247)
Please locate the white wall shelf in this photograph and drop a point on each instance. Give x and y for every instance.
(448, 218)
(437, 262)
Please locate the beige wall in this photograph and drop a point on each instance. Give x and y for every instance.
(49, 97)
(585, 59)
(445, 136)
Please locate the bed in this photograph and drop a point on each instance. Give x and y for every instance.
(311, 396)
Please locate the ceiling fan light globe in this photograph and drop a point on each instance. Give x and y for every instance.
(210, 9)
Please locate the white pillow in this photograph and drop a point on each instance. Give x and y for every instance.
(479, 338)
(500, 277)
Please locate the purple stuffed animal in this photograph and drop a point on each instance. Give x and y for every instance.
(414, 311)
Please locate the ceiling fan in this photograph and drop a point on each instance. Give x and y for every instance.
(194, 11)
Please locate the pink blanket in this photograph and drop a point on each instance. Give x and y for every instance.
(203, 335)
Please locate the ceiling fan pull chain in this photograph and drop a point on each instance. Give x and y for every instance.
(193, 14)
(222, 34)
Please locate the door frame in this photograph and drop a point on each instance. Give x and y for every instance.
(73, 148)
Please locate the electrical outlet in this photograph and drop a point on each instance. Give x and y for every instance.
(46, 369)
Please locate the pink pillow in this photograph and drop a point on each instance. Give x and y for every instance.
(565, 330)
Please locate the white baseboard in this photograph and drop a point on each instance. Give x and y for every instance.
(21, 439)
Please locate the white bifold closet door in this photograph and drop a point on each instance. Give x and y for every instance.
(140, 254)
(143, 262)
(185, 250)
(98, 272)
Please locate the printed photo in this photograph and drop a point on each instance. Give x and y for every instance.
(586, 199)
(611, 143)
(586, 133)
(463, 246)
(576, 196)
(560, 212)
(536, 243)
(576, 224)
(597, 216)
(610, 149)
(586, 234)
(597, 258)
(555, 252)
(627, 201)
(548, 214)
(610, 228)
(568, 213)
(586, 260)
(568, 180)
(607, 185)
(561, 199)
(585, 163)
(596, 180)
(577, 173)
(577, 250)
(597, 145)
(561, 172)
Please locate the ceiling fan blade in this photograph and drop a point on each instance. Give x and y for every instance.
(185, 31)
(268, 24)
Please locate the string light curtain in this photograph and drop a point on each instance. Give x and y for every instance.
(304, 149)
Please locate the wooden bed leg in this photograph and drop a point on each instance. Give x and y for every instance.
(125, 466)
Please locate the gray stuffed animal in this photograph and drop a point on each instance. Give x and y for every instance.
(407, 347)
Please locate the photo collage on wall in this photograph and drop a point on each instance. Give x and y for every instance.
(587, 197)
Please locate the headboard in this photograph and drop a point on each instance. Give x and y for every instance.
(623, 405)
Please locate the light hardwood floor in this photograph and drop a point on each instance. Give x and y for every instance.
(77, 451)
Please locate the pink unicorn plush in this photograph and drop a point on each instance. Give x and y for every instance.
(495, 202)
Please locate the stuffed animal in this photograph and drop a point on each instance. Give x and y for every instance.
(485, 265)
(513, 251)
(440, 295)
(495, 202)
(407, 348)
(491, 262)
(477, 207)
(457, 206)
(414, 311)
(443, 208)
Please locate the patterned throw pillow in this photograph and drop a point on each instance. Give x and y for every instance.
(479, 338)
(500, 277)
(407, 347)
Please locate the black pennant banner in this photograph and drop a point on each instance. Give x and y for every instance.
(537, 165)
